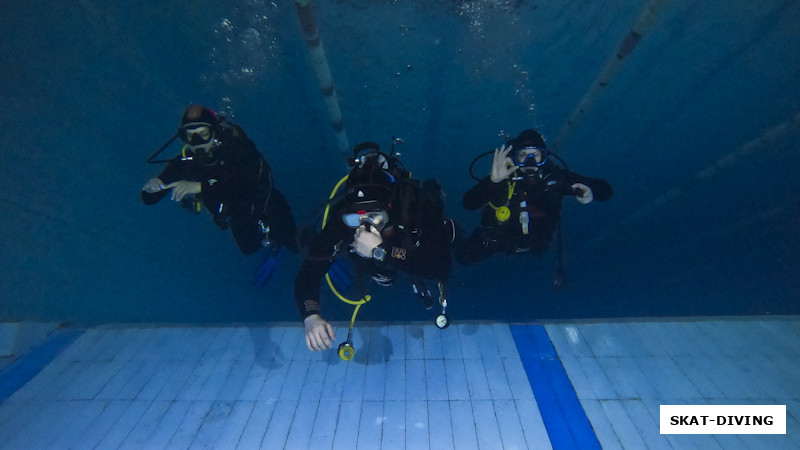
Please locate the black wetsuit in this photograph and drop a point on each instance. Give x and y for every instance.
(541, 192)
(238, 191)
(419, 247)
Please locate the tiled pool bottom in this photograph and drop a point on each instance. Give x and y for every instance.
(566, 385)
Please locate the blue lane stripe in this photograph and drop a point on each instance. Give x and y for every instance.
(29, 365)
(562, 413)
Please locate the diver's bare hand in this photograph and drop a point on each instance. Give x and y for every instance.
(183, 188)
(153, 185)
(364, 241)
(502, 165)
(319, 333)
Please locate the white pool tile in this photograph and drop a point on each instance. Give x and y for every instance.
(275, 380)
(504, 341)
(327, 415)
(301, 426)
(232, 384)
(465, 435)
(233, 425)
(432, 342)
(470, 341)
(486, 426)
(509, 424)
(435, 380)
(569, 340)
(476, 379)
(395, 385)
(457, 385)
(193, 420)
(92, 435)
(212, 425)
(451, 344)
(280, 422)
(499, 385)
(146, 426)
(80, 416)
(601, 423)
(533, 427)
(440, 424)
(397, 339)
(417, 431)
(394, 424)
(371, 425)
(624, 426)
(256, 425)
(601, 385)
(374, 387)
(414, 347)
(130, 418)
(293, 384)
(346, 436)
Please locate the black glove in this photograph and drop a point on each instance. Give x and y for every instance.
(221, 220)
(422, 291)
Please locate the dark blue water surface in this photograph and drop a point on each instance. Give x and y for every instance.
(696, 127)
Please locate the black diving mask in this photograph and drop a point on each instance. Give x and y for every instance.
(201, 140)
(369, 212)
(526, 157)
(196, 133)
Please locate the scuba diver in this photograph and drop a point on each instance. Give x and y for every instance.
(221, 169)
(521, 200)
(388, 223)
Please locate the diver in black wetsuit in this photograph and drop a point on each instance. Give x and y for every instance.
(221, 169)
(387, 222)
(521, 200)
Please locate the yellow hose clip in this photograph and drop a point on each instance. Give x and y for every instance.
(502, 213)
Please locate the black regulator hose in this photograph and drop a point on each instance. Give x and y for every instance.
(150, 159)
(472, 165)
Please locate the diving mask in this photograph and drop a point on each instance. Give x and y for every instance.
(377, 219)
(201, 140)
(196, 133)
(530, 156)
(369, 212)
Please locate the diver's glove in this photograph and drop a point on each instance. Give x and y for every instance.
(365, 240)
(422, 291)
(153, 185)
(583, 193)
(221, 220)
(192, 203)
(502, 165)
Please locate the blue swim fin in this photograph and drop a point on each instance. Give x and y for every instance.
(267, 268)
(340, 274)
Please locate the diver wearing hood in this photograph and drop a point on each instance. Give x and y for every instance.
(388, 223)
(221, 169)
(521, 200)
